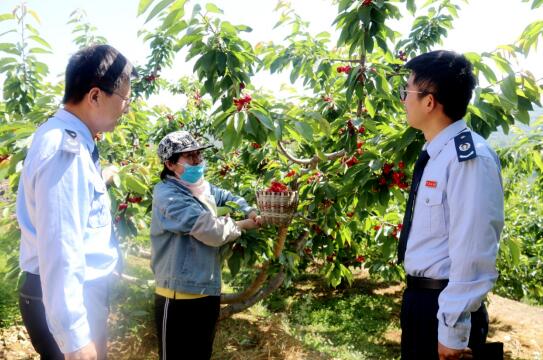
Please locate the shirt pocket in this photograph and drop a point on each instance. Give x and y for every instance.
(436, 213)
(100, 215)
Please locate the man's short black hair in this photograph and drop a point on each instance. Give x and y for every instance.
(446, 75)
(100, 66)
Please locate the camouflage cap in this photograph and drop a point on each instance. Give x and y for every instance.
(178, 142)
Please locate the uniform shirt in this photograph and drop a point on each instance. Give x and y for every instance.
(457, 221)
(63, 210)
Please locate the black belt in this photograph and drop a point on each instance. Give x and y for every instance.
(414, 282)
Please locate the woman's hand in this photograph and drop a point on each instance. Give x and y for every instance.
(249, 224)
(254, 216)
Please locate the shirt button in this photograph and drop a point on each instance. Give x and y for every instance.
(427, 200)
(464, 339)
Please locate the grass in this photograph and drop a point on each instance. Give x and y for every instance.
(354, 322)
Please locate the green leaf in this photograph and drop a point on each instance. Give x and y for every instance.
(536, 156)
(509, 88)
(223, 210)
(158, 8)
(411, 7)
(264, 120)
(212, 8)
(4, 17)
(135, 185)
(143, 6)
(305, 130)
(34, 15)
(9, 48)
(234, 264)
(369, 106)
(40, 41)
(514, 248)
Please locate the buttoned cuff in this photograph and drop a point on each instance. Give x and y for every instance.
(454, 337)
(73, 339)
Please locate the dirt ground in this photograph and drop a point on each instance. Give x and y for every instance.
(517, 325)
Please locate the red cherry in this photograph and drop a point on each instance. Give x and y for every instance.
(387, 168)
(316, 228)
(135, 199)
(360, 259)
(122, 206)
(352, 161)
(401, 164)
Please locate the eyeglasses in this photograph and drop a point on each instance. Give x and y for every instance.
(126, 99)
(402, 90)
(194, 156)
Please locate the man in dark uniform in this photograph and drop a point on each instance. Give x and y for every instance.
(454, 215)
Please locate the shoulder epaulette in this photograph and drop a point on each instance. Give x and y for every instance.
(465, 148)
(70, 141)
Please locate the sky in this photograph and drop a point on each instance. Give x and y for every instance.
(482, 25)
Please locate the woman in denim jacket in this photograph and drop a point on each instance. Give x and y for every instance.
(186, 236)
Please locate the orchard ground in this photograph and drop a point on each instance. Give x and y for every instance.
(307, 320)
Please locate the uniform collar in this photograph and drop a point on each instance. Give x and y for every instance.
(437, 144)
(76, 124)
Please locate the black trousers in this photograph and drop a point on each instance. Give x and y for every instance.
(33, 314)
(419, 325)
(186, 328)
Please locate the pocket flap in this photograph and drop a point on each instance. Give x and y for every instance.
(433, 198)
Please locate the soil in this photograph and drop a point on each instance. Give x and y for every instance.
(517, 325)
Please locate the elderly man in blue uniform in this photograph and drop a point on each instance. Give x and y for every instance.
(454, 215)
(68, 248)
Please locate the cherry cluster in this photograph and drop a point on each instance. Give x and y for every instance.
(344, 69)
(391, 177)
(243, 102)
(277, 187)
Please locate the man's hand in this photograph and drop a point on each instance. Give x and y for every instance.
(108, 173)
(446, 353)
(87, 352)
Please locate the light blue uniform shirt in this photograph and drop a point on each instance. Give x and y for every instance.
(456, 227)
(63, 210)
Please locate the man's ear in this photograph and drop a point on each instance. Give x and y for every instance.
(430, 103)
(93, 95)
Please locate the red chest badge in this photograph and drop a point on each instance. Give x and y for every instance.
(431, 183)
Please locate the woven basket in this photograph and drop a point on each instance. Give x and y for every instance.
(277, 208)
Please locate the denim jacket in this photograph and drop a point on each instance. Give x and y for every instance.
(186, 238)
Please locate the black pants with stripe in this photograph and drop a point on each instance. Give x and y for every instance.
(419, 325)
(186, 328)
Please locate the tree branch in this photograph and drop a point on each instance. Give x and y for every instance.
(312, 163)
(273, 285)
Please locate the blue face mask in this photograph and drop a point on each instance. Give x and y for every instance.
(192, 173)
